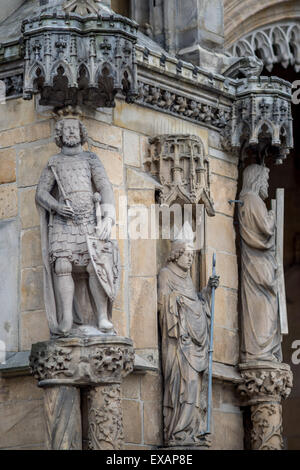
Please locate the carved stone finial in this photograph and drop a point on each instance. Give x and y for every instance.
(82, 7)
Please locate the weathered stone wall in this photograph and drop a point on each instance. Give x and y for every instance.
(120, 139)
(8, 7)
(26, 144)
(21, 414)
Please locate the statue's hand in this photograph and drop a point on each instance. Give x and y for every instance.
(105, 230)
(65, 211)
(214, 281)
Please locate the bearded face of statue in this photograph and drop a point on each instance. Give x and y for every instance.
(264, 187)
(71, 133)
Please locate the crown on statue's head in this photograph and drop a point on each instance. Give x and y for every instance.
(69, 112)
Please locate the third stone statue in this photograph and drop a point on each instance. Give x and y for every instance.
(261, 336)
(77, 211)
(184, 316)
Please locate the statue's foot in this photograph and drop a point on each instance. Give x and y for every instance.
(105, 325)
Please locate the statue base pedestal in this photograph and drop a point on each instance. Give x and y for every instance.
(265, 385)
(184, 448)
(68, 367)
(203, 444)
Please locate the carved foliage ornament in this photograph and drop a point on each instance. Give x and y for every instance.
(266, 384)
(261, 117)
(81, 362)
(159, 98)
(105, 418)
(267, 429)
(73, 59)
(180, 165)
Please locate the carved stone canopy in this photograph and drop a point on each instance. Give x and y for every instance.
(180, 165)
(261, 117)
(79, 53)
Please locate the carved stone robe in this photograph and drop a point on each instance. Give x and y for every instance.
(261, 338)
(184, 322)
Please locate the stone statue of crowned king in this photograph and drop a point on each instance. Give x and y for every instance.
(77, 212)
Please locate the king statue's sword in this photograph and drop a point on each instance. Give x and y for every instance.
(66, 199)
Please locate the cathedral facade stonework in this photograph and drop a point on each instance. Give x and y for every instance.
(121, 131)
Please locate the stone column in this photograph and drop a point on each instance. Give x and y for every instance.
(63, 418)
(265, 385)
(68, 367)
(105, 418)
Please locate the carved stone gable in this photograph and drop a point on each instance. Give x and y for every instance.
(180, 165)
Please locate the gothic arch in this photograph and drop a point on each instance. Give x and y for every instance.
(274, 44)
(243, 17)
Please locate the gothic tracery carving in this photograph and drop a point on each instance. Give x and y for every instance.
(273, 44)
(180, 164)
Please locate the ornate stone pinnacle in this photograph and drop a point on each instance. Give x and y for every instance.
(82, 7)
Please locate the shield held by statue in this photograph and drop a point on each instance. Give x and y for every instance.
(105, 258)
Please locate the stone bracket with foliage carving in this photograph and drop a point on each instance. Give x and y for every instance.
(265, 385)
(82, 361)
(265, 381)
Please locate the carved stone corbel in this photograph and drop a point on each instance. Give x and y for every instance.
(265, 385)
(97, 365)
(261, 119)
